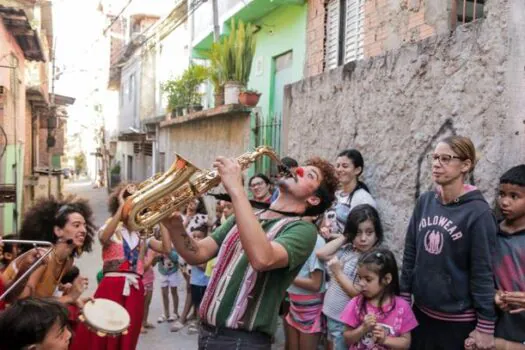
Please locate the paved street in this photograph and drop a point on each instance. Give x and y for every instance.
(89, 265)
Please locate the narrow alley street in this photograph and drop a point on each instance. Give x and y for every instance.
(89, 265)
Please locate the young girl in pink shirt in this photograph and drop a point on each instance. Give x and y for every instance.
(378, 318)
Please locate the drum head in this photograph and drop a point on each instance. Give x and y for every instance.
(106, 316)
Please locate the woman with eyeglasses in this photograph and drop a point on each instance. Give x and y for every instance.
(123, 253)
(260, 187)
(447, 265)
(349, 166)
(68, 225)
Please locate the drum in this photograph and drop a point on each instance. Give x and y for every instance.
(105, 317)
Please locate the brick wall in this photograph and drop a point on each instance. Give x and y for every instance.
(390, 24)
(315, 38)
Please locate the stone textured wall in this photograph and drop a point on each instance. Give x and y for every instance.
(395, 107)
(315, 35)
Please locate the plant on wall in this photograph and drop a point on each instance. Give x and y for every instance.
(175, 90)
(192, 78)
(184, 91)
(233, 57)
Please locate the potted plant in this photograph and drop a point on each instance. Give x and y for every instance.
(236, 56)
(192, 79)
(175, 90)
(249, 97)
(216, 72)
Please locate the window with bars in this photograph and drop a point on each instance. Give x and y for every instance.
(344, 32)
(464, 11)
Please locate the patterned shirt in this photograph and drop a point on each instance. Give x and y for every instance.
(509, 270)
(396, 319)
(239, 297)
(335, 297)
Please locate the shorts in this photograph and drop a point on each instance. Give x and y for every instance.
(197, 293)
(172, 280)
(335, 330)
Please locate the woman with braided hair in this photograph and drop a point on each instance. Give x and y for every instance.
(123, 267)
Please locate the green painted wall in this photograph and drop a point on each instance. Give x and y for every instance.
(13, 155)
(281, 31)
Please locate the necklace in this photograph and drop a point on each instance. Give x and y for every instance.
(57, 260)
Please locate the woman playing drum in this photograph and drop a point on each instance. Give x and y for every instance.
(123, 266)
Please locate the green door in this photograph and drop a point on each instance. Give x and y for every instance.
(282, 76)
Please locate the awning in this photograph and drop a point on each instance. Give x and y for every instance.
(18, 25)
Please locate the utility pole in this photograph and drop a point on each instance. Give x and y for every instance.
(52, 121)
(216, 28)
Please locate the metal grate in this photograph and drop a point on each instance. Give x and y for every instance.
(148, 149)
(464, 11)
(7, 193)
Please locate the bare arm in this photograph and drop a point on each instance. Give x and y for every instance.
(502, 344)
(192, 251)
(346, 284)
(353, 335)
(164, 245)
(34, 278)
(398, 343)
(111, 227)
(328, 251)
(313, 283)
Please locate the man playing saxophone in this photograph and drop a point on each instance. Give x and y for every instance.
(258, 254)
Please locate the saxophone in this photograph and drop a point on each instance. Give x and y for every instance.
(157, 198)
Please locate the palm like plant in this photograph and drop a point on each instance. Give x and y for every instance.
(231, 58)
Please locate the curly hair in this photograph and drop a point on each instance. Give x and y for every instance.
(46, 213)
(326, 190)
(113, 202)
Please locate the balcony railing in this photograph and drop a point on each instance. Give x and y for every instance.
(464, 11)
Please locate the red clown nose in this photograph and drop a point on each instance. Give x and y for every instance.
(299, 172)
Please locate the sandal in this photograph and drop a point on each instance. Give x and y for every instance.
(193, 329)
(177, 326)
(148, 326)
(171, 319)
(161, 319)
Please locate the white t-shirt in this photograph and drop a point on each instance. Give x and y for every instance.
(336, 216)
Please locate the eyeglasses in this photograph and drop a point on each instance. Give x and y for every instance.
(257, 184)
(444, 159)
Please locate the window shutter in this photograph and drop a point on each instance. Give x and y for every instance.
(332, 34)
(354, 30)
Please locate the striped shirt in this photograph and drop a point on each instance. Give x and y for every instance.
(335, 297)
(239, 297)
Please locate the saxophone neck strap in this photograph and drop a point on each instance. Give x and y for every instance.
(255, 204)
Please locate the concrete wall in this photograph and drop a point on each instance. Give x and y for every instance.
(395, 107)
(129, 97)
(201, 141)
(148, 88)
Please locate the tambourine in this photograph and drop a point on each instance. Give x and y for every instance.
(105, 317)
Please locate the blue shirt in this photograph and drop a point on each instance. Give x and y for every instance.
(311, 265)
(198, 277)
